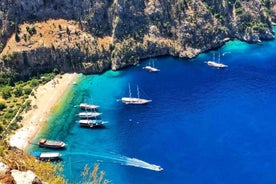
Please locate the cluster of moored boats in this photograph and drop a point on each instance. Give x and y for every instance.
(51, 144)
(88, 118)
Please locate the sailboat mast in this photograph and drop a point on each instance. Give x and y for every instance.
(214, 57)
(129, 90)
(138, 93)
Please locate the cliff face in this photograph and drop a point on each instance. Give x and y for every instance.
(91, 36)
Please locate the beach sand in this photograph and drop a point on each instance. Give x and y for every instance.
(47, 96)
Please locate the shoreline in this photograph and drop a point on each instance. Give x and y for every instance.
(46, 98)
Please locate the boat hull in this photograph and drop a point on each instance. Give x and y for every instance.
(89, 114)
(91, 123)
(217, 65)
(52, 144)
(47, 156)
(84, 106)
(151, 69)
(135, 101)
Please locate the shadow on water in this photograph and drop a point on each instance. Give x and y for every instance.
(95, 128)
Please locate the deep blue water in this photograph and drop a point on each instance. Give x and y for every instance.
(204, 125)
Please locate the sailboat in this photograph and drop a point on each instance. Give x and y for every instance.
(216, 64)
(89, 114)
(136, 101)
(151, 68)
(89, 118)
(85, 106)
(91, 123)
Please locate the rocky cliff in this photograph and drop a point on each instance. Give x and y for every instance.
(91, 36)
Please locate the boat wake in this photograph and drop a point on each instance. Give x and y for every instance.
(223, 54)
(140, 163)
(120, 159)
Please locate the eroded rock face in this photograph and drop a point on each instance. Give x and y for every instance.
(104, 34)
(27, 177)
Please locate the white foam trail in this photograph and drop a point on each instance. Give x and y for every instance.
(223, 54)
(140, 163)
(123, 160)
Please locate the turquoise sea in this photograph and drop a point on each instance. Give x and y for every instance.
(204, 125)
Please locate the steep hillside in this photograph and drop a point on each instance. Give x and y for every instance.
(43, 46)
(91, 36)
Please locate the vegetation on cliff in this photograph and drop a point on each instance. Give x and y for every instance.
(14, 100)
(91, 36)
(18, 160)
(46, 171)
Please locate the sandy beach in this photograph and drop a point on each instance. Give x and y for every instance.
(47, 96)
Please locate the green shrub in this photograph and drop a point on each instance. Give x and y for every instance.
(6, 92)
(19, 118)
(1, 128)
(2, 106)
(13, 126)
(27, 91)
(34, 83)
(27, 105)
(9, 115)
(239, 11)
(18, 91)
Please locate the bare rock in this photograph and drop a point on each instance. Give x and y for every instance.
(27, 177)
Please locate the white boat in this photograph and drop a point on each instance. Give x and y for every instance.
(151, 68)
(46, 143)
(85, 106)
(135, 101)
(91, 123)
(47, 156)
(216, 64)
(89, 114)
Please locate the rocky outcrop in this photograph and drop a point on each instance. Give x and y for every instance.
(20, 166)
(27, 177)
(271, 6)
(21, 177)
(16, 176)
(96, 35)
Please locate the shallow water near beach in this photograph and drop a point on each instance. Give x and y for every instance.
(204, 125)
